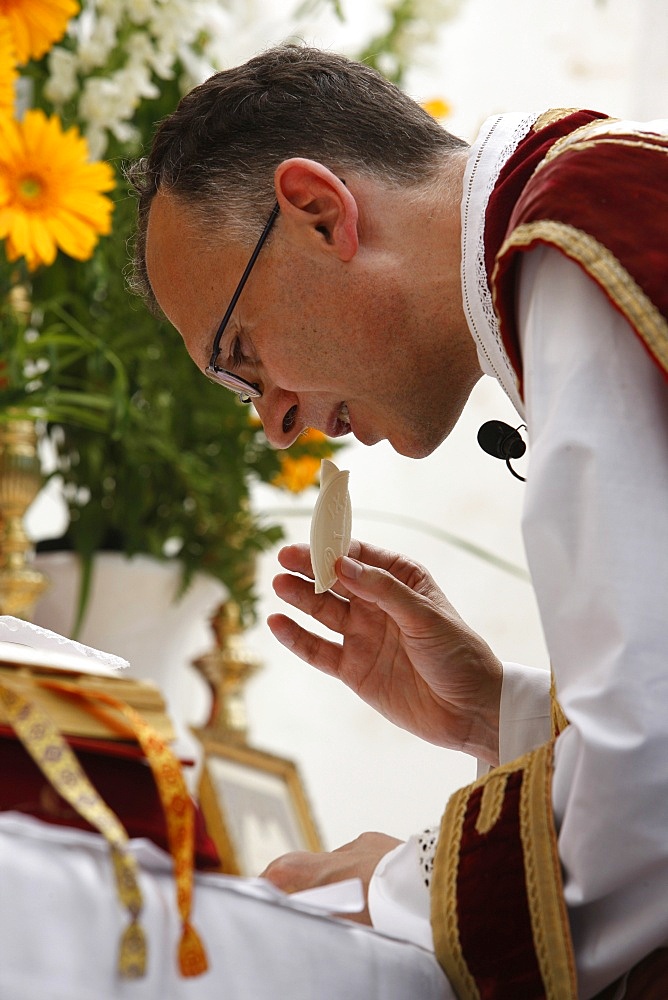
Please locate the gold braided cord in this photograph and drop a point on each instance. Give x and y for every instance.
(444, 911)
(57, 762)
(583, 138)
(604, 268)
(549, 920)
(552, 116)
(491, 803)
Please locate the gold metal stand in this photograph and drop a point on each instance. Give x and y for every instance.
(20, 482)
(226, 669)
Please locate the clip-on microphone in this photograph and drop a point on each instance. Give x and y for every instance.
(502, 441)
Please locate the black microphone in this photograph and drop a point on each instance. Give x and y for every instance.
(502, 441)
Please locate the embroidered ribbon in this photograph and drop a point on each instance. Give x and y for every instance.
(60, 766)
(176, 803)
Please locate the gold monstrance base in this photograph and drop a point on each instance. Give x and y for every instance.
(20, 482)
(226, 669)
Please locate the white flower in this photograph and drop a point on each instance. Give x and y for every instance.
(196, 68)
(110, 8)
(202, 36)
(134, 82)
(388, 63)
(142, 52)
(141, 11)
(107, 105)
(94, 50)
(63, 82)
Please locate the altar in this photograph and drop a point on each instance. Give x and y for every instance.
(60, 924)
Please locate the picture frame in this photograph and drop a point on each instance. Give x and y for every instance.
(254, 806)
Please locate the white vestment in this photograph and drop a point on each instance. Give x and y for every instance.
(595, 526)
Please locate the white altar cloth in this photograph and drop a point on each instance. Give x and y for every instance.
(60, 924)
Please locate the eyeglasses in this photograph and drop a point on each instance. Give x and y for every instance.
(244, 390)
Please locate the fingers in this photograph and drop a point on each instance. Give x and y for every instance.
(297, 559)
(301, 870)
(328, 609)
(398, 587)
(313, 649)
(294, 872)
(408, 608)
(304, 870)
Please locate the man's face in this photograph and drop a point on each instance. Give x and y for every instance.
(337, 346)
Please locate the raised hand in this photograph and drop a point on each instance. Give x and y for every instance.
(405, 650)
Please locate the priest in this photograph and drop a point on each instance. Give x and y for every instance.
(329, 252)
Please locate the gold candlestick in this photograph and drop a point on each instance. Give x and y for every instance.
(20, 482)
(226, 669)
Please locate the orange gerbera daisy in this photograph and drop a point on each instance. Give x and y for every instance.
(298, 472)
(437, 107)
(50, 194)
(37, 24)
(8, 73)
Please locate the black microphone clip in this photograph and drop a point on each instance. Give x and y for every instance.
(502, 441)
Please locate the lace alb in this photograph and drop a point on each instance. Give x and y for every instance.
(498, 139)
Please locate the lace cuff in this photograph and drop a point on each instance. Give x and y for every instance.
(426, 843)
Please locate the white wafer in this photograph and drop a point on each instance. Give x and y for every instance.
(331, 525)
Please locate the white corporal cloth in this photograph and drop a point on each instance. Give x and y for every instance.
(60, 925)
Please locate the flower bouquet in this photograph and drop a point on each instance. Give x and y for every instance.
(152, 458)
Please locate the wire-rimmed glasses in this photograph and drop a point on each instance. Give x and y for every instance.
(245, 390)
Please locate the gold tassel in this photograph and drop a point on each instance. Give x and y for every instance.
(59, 765)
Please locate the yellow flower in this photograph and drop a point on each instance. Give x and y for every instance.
(298, 472)
(37, 24)
(8, 72)
(437, 108)
(49, 193)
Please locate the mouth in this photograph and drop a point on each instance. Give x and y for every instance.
(340, 422)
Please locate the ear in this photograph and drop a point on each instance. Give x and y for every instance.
(316, 204)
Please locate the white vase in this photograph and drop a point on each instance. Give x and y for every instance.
(134, 611)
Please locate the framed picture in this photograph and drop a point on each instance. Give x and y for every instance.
(254, 806)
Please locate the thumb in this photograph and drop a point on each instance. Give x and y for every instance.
(381, 588)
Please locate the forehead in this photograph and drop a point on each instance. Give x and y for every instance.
(187, 272)
(173, 239)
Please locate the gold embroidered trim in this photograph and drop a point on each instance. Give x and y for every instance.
(444, 913)
(601, 265)
(491, 802)
(551, 116)
(586, 135)
(549, 920)
(61, 768)
(447, 944)
(625, 139)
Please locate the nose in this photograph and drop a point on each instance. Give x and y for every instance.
(279, 412)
